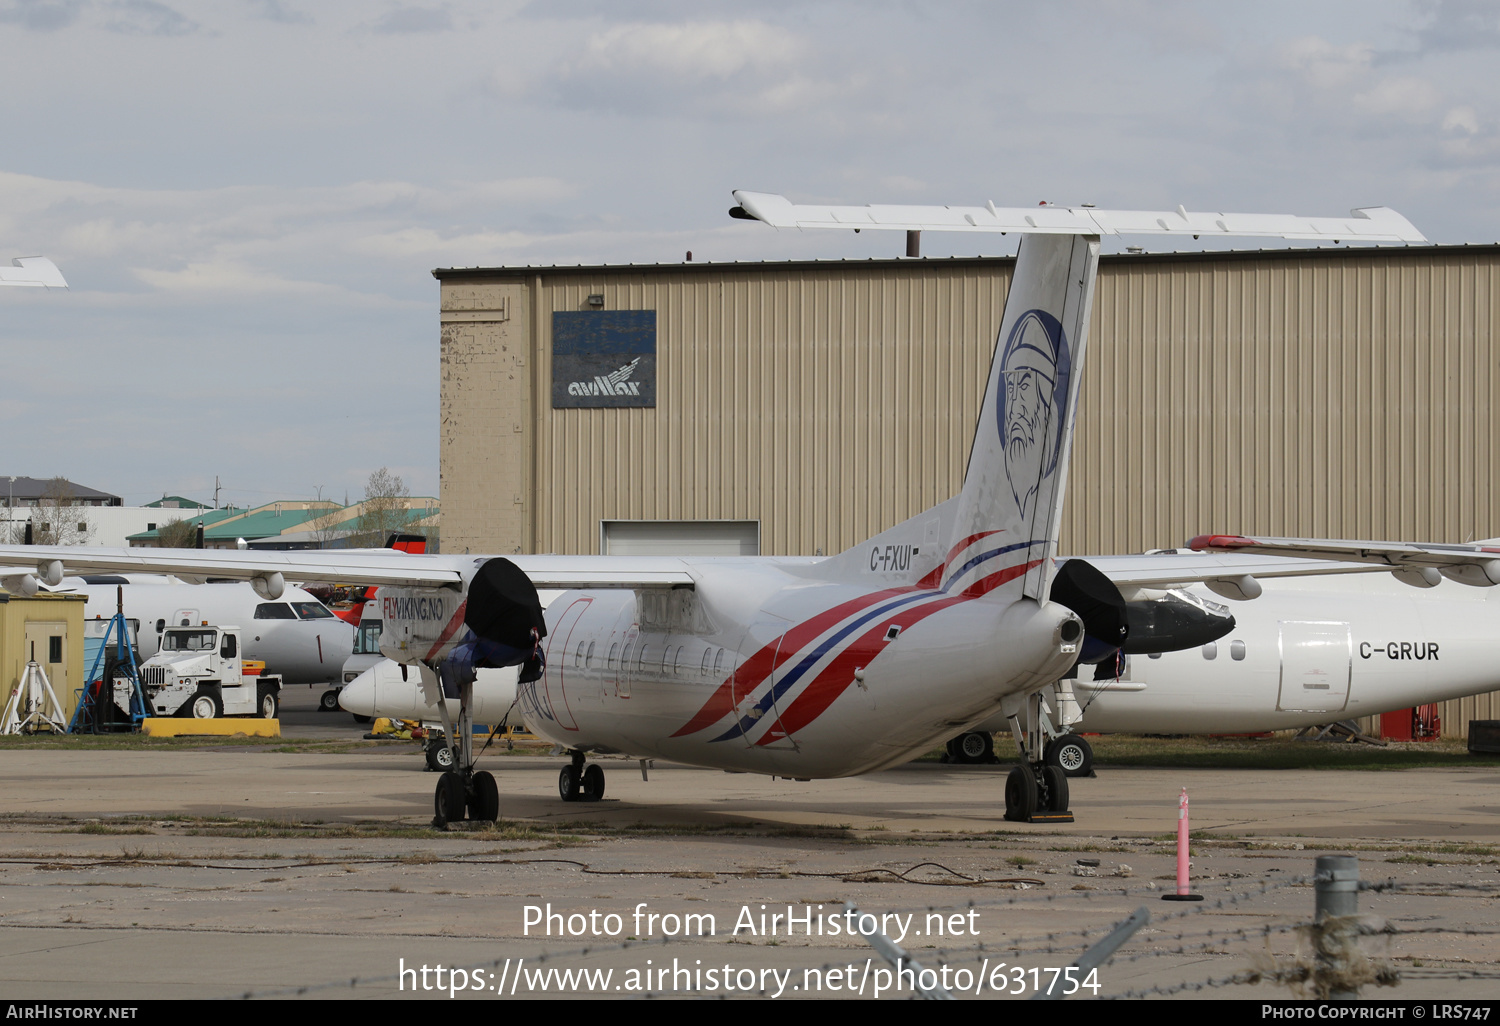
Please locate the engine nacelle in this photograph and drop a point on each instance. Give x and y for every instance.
(420, 624)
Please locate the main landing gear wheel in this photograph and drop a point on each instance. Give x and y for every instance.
(440, 758)
(593, 783)
(1070, 753)
(973, 747)
(449, 800)
(484, 804)
(568, 782)
(329, 702)
(1020, 794)
(1055, 788)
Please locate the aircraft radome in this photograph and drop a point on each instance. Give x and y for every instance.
(785, 666)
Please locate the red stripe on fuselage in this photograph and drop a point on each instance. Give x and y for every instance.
(453, 625)
(838, 675)
(753, 671)
(759, 666)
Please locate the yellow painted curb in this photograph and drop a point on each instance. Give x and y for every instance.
(164, 726)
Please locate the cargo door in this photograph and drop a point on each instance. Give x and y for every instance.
(564, 662)
(1316, 661)
(760, 669)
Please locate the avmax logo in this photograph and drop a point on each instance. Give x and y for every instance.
(617, 383)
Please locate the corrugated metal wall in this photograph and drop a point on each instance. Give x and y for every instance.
(1319, 393)
(823, 403)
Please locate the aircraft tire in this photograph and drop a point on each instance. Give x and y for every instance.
(1070, 753)
(484, 806)
(1055, 782)
(593, 783)
(568, 783)
(329, 702)
(974, 747)
(1020, 794)
(448, 800)
(439, 757)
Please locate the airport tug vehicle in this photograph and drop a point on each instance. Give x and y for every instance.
(198, 673)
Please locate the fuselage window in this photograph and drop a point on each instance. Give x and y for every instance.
(1237, 650)
(677, 661)
(274, 611)
(706, 653)
(719, 663)
(578, 656)
(666, 660)
(613, 650)
(588, 657)
(640, 659)
(1211, 650)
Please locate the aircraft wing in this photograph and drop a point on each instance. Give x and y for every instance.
(1477, 563)
(1166, 570)
(378, 567)
(1367, 224)
(35, 271)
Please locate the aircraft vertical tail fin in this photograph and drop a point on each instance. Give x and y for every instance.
(1004, 534)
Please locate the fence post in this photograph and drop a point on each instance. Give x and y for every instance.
(1336, 896)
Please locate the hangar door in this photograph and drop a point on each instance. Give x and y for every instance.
(679, 537)
(1315, 666)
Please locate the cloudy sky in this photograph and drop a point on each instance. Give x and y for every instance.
(247, 196)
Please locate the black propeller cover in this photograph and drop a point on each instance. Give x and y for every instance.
(1085, 590)
(503, 606)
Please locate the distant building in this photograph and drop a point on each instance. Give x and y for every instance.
(17, 491)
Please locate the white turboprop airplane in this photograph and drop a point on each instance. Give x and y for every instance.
(296, 635)
(36, 272)
(1309, 650)
(786, 666)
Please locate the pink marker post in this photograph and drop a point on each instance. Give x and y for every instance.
(1183, 894)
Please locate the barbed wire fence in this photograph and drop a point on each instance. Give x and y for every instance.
(1332, 950)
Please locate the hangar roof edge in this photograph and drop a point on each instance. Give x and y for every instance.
(700, 266)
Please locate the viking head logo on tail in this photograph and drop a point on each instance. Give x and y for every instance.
(1031, 402)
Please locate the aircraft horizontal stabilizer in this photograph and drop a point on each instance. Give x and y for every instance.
(35, 271)
(1368, 224)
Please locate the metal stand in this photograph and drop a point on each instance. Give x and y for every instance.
(33, 705)
(96, 710)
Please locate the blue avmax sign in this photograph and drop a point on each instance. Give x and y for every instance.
(604, 358)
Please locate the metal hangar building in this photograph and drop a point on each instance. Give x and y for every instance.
(801, 407)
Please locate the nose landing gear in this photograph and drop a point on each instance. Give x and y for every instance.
(461, 790)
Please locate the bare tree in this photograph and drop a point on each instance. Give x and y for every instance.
(329, 528)
(386, 499)
(59, 519)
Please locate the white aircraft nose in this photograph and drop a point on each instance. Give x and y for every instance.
(358, 695)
